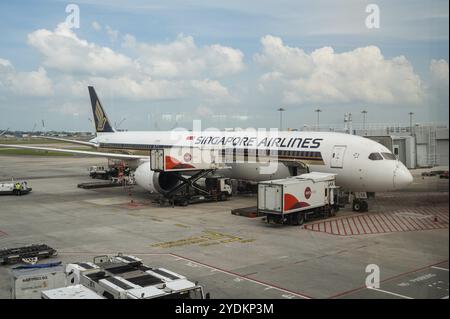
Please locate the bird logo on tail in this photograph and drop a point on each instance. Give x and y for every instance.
(101, 119)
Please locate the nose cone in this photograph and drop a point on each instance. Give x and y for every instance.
(402, 177)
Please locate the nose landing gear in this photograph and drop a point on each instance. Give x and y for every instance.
(359, 201)
(360, 205)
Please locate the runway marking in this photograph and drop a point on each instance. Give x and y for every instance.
(343, 293)
(267, 285)
(207, 238)
(414, 219)
(390, 293)
(444, 269)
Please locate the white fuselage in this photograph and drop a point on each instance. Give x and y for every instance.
(343, 154)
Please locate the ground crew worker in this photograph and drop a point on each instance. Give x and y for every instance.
(18, 187)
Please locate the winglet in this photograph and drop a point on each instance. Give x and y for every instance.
(102, 124)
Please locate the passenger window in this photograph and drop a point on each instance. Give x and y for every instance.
(389, 156)
(375, 157)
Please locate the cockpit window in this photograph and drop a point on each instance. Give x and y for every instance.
(375, 157)
(389, 156)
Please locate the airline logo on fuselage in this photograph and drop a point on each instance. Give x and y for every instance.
(101, 119)
(285, 142)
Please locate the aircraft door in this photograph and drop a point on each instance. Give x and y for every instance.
(337, 157)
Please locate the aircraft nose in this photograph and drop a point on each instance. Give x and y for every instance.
(402, 177)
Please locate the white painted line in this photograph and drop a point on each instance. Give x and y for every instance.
(243, 278)
(446, 297)
(196, 264)
(444, 269)
(390, 293)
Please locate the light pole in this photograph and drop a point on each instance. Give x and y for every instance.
(364, 112)
(410, 123)
(318, 112)
(281, 110)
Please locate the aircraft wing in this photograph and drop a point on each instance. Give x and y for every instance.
(4, 132)
(67, 140)
(88, 153)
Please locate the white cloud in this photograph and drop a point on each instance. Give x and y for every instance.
(176, 70)
(438, 88)
(439, 72)
(113, 34)
(64, 51)
(203, 111)
(211, 90)
(182, 58)
(34, 83)
(129, 41)
(96, 26)
(324, 76)
(5, 63)
(138, 89)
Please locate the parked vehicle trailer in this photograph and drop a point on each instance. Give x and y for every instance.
(14, 188)
(295, 199)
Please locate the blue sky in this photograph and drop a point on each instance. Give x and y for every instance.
(228, 63)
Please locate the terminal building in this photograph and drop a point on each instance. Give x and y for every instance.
(419, 145)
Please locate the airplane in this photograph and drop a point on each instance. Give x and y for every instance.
(4, 132)
(361, 165)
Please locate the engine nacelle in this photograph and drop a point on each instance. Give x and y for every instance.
(155, 182)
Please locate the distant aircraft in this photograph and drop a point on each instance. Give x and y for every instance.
(4, 132)
(361, 165)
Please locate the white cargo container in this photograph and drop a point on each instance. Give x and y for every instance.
(28, 283)
(70, 292)
(292, 200)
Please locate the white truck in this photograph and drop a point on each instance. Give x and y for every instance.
(14, 188)
(126, 277)
(295, 199)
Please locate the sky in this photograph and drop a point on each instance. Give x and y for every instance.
(161, 65)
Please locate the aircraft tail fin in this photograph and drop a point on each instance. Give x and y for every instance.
(102, 124)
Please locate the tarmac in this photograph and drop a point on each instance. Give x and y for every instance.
(404, 235)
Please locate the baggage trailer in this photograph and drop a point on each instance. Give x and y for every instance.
(14, 188)
(18, 254)
(295, 199)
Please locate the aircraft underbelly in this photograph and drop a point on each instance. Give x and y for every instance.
(256, 172)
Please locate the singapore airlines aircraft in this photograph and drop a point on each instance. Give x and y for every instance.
(360, 164)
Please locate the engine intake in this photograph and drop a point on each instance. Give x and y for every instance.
(155, 182)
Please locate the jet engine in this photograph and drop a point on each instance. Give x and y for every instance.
(155, 182)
